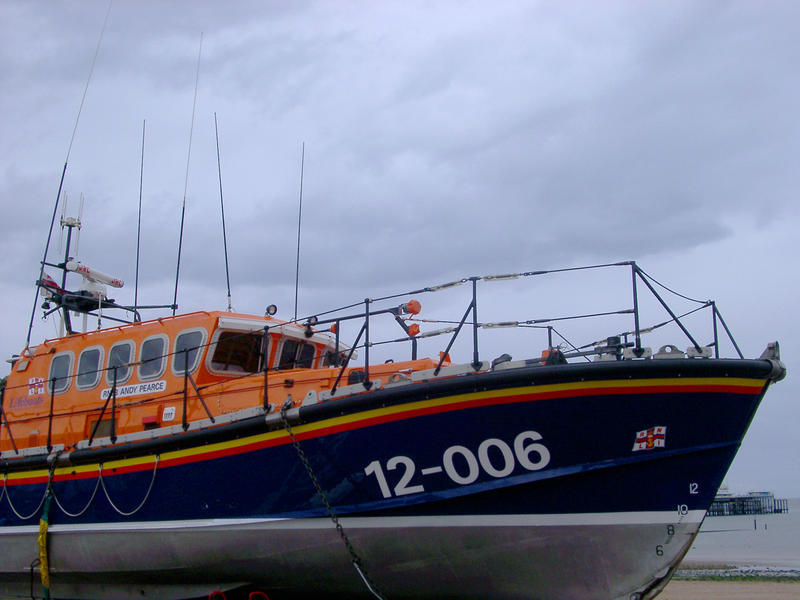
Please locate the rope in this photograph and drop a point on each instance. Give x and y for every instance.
(671, 291)
(14, 510)
(41, 541)
(356, 560)
(146, 496)
(44, 522)
(85, 508)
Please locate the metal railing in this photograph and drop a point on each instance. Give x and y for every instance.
(405, 313)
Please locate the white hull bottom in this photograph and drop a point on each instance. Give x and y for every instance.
(625, 556)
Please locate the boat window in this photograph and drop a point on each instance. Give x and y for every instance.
(332, 359)
(288, 353)
(60, 369)
(119, 358)
(305, 357)
(236, 352)
(153, 357)
(89, 366)
(296, 354)
(187, 350)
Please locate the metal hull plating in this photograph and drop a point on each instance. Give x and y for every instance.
(529, 483)
(537, 555)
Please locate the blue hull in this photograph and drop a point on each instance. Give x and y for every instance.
(617, 459)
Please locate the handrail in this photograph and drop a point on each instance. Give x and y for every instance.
(4, 420)
(365, 338)
(453, 339)
(50, 413)
(347, 360)
(186, 379)
(638, 272)
(718, 315)
(265, 367)
(112, 397)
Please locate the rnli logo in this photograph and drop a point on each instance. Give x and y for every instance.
(35, 386)
(647, 439)
(35, 394)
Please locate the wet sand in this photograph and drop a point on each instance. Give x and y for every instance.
(730, 590)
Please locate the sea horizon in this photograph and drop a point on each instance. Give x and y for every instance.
(760, 542)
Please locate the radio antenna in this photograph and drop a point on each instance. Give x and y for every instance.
(78, 236)
(299, 219)
(139, 223)
(64, 172)
(186, 179)
(222, 210)
(64, 203)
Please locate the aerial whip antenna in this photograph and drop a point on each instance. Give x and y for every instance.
(64, 204)
(139, 223)
(64, 172)
(222, 209)
(78, 236)
(186, 179)
(299, 218)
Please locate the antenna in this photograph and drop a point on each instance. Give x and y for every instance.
(299, 218)
(139, 224)
(65, 197)
(222, 209)
(64, 172)
(186, 179)
(80, 216)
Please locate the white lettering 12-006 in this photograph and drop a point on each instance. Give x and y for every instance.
(462, 465)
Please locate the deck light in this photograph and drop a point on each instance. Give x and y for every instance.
(412, 307)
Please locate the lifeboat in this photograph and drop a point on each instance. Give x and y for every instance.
(216, 451)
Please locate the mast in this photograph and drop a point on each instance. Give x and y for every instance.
(299, 219)
(63, 174)
(222, 209)
(139, 224)
(186, 178)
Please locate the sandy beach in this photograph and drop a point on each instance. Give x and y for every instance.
(730, 590)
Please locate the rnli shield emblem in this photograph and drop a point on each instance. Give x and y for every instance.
(35, 386)
(647, 439)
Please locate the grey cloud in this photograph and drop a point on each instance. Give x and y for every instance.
(441, 141)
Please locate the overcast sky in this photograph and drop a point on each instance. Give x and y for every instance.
(442, 140)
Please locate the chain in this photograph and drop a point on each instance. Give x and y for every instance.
(357, 562)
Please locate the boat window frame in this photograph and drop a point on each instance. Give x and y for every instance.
(200, 348)
(279, 353)
(300, 343)
(98, 373)
(215, 339)
(110, 370)
(164, 356)
(313, 359)
(70, 364)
